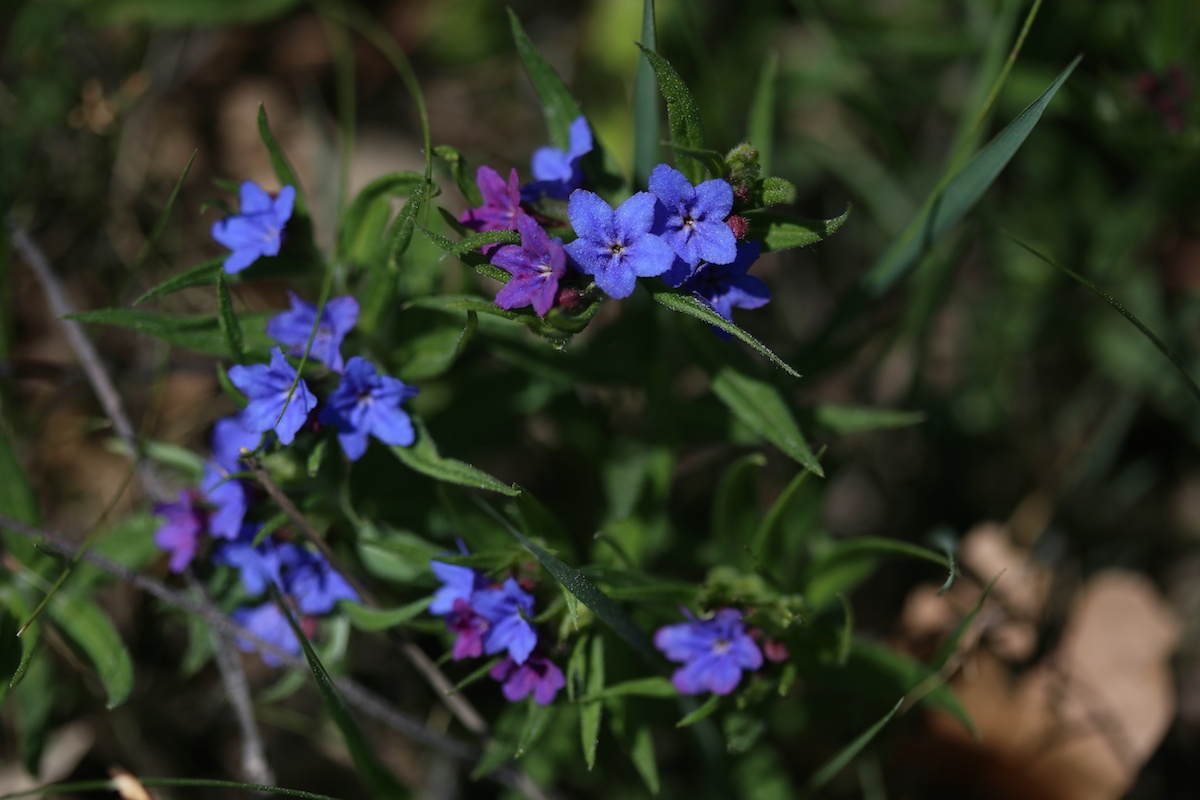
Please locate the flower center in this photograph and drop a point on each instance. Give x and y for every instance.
(721, 647)
(616, 248)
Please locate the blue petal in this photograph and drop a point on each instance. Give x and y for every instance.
(354, 443)
(239, 233)
(580, 137)
(635, 216)
(714, 200)
(591, 217)
(253, 199)
(238, 260)
(295, 413)
(391, 426)
(685, 641)
(513, 634)
(551, 164)
(615, 278)
(671, 187)
(648, 256)
(713, 242)
(282, 208)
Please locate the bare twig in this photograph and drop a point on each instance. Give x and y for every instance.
(89, 360)
(458, 705)
(255, 766)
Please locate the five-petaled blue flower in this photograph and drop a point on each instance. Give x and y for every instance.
(713, 652)
(692, 218)
(315, 585)
(501, 203)
(535, 265)
(538, 675)
(557, 173)
(616, 247)
(294, 326)
(258, 229)
(506, 608)
(267, 389)
(727, 286)
(366, 403)
(267, 623)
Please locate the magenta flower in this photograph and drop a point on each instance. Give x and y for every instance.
(501, 203)
(180, 533)
(536, 266)
(714, 652)
(538, 675)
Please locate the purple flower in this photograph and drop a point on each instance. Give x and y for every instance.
(228, 499)
(713, 651)
(501, 203)
(560, 172)
(470, 628)
(692, 218)
(538, 675)
(536, 266)
(229, 438)
(258, 229)
(267, 387)
(458, 583)
(315, 585)
(727, 286)
(181, 530)
(506, 609)
(268, 623)
(616, 247)
(294, 326)
(366, 403)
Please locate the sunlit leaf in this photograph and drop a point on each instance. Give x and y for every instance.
(761, 407)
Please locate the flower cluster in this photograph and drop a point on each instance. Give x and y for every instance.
(685, 234)
(713, 651)
(363, 404)
(490, 619)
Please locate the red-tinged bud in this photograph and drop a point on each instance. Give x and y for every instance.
(741, 193)
(308, 624)
(775, 651)
(739, 225)
(527, 584)
(570, 299)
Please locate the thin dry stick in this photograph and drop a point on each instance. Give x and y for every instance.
(89, 360)
(458, 705)
(254, 761)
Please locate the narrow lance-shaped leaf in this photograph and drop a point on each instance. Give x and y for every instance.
(279, 163)
(374, 775)
(161, 222)
(761, 127)
(90, 630)
(230, 329)
(836, 764)
(778, 230)
(401, 232)
(378, 619)
(559, 105)
(646, 123)
(394, 184)
(642, 754)
(590, 713)
(202, 333)
(683, 115)
(946, 207)
(761, 407)
(464, 179)
(422, 456)
(202, 274)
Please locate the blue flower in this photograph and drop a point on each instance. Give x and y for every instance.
(258, 566)
(268, 623)
(616, 247)
(506, 609)
(713, 651)
(560, 172)
(258, 229)
(294, 326)
(229, 438)
(692, 218)
(458, 583)
(538, 675)
(228, 499)
(366, 403)
(266, 388)
(535, 266)
(727, 286)
(501, 203)
(180, 533)
(315, 585)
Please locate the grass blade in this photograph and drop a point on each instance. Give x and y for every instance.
(646, 122)
(161, 222)
(559, 105)
(836, 764)
(200, 275)
(230, 329)
(279, 163)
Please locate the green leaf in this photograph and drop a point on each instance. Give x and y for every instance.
(202, 333)
(467, 250)
(394, 184)
(230, 329)
(779, 230)
(844, 420)
(400, 235)
(464, 179)
(379, 619)
(950, 646)
(90, 630)
(422, 456)
(847, 754)
(279, 163)
(761, 126)
(847, 637)
(476, 675)
(683, 116)
(639, 687)
(16, 495)
(367, 765)
(202, 274)
(601, 604)
(761, 407)
(590, 714)
(952, 200)
(642, 754)
(687, 304)
(161, 222)
(709, 706)
(535, 725)
(780, 192)
(559, 105)
(772, 521)
(735, 509)
(888, 666)
(646, 122)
